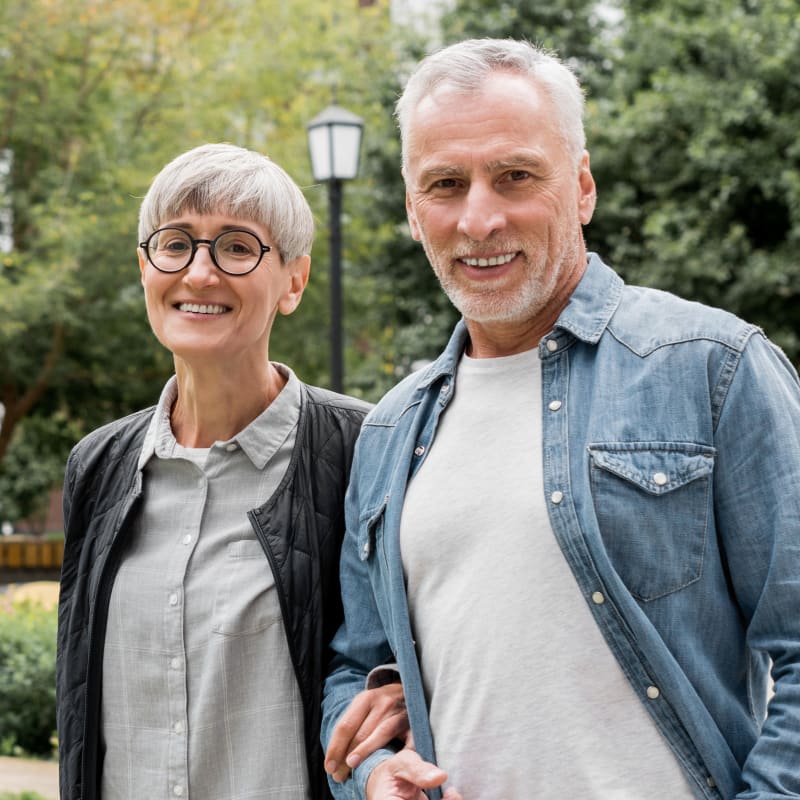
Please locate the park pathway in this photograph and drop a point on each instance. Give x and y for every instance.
(22, 775)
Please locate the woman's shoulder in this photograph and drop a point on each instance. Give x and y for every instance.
(113, 440)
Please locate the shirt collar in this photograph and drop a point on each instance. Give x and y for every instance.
(593, 302)
(259, 441)
(586, 316)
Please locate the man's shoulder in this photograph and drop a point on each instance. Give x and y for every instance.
(648, 318)
(399, 398)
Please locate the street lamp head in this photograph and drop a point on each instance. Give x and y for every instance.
(334, 141)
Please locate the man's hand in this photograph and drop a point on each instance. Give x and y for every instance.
(404, 776)
(372, 720)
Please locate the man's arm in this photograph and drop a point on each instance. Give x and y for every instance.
(757, 504)
(359, 645)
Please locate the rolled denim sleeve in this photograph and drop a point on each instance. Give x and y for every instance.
(757, 490)
(359, 645)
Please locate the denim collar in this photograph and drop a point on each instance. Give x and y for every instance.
(586, 317)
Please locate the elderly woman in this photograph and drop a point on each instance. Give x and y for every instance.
(200, 579)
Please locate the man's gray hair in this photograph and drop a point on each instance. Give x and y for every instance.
(226, 179)
(465, 66)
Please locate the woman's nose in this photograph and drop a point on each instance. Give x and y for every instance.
(202, 271)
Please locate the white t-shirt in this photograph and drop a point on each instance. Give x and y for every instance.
(526, 699)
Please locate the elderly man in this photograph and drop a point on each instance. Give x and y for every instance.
(577, 532)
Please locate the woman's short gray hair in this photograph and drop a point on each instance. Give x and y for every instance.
(465, 66)
(226, 179)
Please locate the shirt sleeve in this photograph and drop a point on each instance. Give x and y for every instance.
(757, 491)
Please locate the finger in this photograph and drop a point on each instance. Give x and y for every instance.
(342, 756)
(409, 766)
(386, 731)
(345, 729)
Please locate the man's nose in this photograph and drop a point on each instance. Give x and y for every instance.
(482, 213)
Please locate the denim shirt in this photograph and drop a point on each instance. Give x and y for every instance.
(671, 436)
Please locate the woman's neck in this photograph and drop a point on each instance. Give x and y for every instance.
(213, 405)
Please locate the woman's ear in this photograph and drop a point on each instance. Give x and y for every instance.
(142, 262)
(298, 270)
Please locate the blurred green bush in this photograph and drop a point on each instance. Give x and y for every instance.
(27, 678)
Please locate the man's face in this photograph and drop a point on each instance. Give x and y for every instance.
(498, 202)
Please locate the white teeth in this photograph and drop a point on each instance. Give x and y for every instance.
(494, 261)
(204, 309)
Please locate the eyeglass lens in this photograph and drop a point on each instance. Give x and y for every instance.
(170, 249)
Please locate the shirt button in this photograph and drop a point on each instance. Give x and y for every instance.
(555, 405)
(653, 693)
(711, 783)
(551, 345)
(598, 598)
(177, 790)
(178, 727)
(556, 497)
(659, 479)
(231, 447)
(187, 539)
(175, 663)
(173, 599)
(419, 450)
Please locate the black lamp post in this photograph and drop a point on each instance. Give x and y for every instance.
(334, 140)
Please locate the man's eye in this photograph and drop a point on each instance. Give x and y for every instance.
(445, 183)
(518, 175)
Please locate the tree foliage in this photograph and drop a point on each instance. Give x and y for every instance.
(95, 96)
(697, 158)
(692, 114)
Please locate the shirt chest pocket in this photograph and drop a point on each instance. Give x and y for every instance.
(246, 600)
(653, 504)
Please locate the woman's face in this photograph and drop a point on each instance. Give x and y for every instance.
(204, 315)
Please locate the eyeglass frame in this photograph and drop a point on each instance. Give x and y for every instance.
(212, 243)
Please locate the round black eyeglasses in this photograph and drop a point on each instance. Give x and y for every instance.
(235, 252)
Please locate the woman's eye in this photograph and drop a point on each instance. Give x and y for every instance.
(176, 246)
(238, 248)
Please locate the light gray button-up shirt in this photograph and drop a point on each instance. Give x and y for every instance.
(200, 699)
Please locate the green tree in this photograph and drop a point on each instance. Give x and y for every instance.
(697, 159)
(79, 83)
(95, 96)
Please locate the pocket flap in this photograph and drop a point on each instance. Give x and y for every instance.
(368, 525)
(655, 467)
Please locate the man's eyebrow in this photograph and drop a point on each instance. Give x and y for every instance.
(516, 161)
(441, 171)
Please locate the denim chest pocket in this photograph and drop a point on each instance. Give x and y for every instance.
(652, 502)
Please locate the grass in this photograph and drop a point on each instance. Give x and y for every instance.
(21, 796)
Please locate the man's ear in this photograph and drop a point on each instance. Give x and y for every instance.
(298, 270)
(587, 191)
(412, 218)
